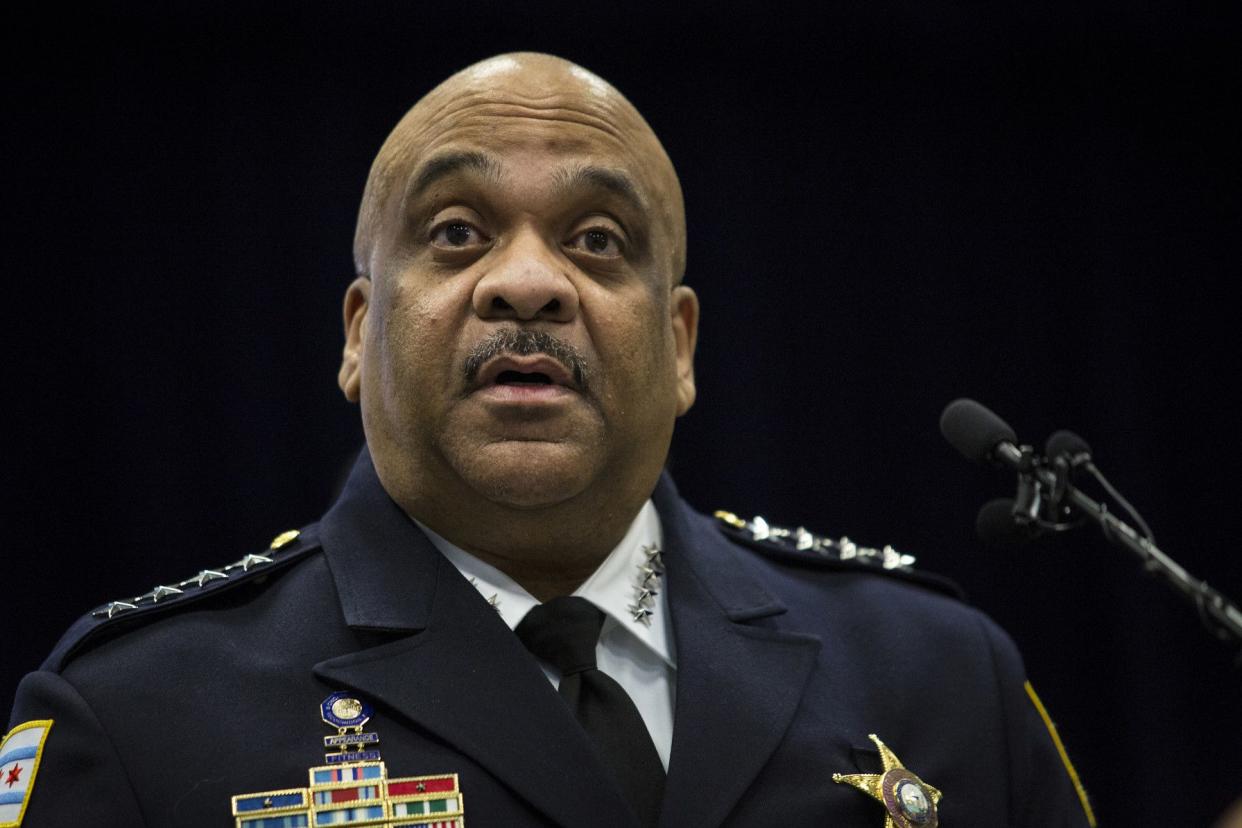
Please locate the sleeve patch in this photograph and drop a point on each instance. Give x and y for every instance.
(1065, 760)
(20, 752)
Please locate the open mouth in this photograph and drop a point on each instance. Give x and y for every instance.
(533, 379)
(523, 378)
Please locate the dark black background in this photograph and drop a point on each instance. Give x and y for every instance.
(890, 205)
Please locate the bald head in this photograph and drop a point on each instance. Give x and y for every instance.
(562, 106)
(522, 231)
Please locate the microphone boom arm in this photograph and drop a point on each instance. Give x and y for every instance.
(1219, 614)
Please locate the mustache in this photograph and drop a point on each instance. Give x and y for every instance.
(526, 343)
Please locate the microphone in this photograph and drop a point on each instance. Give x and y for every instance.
(1068, 448)
(980, 435)
(1069, 445)
(996, 524)
(1046, 495)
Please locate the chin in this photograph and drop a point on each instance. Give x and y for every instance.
(528, 474)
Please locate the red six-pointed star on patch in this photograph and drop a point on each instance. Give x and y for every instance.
(15, 774)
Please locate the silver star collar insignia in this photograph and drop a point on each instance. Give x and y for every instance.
(650, 571)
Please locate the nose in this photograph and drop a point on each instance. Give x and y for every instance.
(528, 282)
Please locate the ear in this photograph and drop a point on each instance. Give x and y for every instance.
(357, 301)
(685, 319)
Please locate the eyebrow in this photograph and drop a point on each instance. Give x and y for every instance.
(602, 178)
(449, 163)
(566, 179)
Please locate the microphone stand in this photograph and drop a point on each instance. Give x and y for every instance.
(1219, 615)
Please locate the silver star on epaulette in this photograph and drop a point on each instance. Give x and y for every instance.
(494, 602)
(759, 528)
(848, 548)
(161, 592)
(112, 608)
(648, 572)
(895, 560)
(803, 539)
(203, 577)
(249, 562)
(646, 595)
(641, 614)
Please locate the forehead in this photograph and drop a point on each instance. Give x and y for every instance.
(518, 116)
(534, 116)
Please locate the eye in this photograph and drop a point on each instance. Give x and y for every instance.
(597, 241)
(455, 234)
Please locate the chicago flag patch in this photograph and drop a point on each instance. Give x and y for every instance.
(19, 762)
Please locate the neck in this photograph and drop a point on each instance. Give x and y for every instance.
(548, 551)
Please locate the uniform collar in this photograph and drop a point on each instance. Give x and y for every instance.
(386, 569)
(612, 587)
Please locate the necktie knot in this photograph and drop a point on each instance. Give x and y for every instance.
(563, 632)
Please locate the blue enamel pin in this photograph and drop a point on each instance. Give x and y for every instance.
(348, 715)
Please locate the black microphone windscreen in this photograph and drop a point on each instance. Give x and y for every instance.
(973, 429)
(1066, 442)
(996, 527)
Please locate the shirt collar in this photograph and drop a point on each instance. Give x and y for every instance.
(613, 587)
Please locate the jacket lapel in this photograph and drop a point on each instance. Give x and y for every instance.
(444, 675)
(738, 685)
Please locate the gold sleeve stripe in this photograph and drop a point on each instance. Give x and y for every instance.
(1069, 766)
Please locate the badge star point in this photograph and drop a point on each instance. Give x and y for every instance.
(909, 801)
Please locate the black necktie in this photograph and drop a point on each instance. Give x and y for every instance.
(564, 632)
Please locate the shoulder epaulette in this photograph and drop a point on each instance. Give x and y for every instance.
(800, 546)
(162, 598)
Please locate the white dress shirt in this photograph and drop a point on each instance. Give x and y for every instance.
(639, 657)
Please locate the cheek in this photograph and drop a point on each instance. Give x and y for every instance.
(412, 343)
(638, 349)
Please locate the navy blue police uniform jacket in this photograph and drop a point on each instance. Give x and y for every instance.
(786, 661)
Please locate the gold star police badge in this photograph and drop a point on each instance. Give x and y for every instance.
(910, 802)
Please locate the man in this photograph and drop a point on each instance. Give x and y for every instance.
(520, 344)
